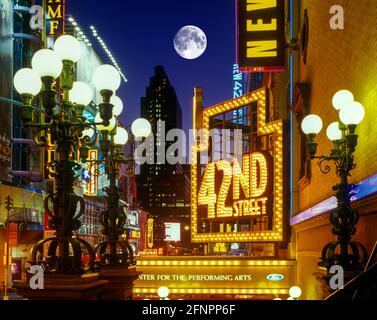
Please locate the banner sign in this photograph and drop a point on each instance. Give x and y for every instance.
(261, 35)
(55, 15)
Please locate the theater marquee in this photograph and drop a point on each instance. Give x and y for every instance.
(240, 202)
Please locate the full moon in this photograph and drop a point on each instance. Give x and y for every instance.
(190, 42)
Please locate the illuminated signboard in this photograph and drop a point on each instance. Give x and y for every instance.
(150, 233)
(172, 231)
(261, 35)
(135, 234)
(48, 157)
(230, 199)
(240, 82)
(91, 173)
(214, 275)
(55, 14)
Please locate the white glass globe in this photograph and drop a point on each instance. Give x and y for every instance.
(47, 63)
(295, 292)
(88, 133)
(141, 128)
(27, 81)
(352, 113)
(121, 136)
(341, 98)
(106, 77)
(101, 127)
(312, 124)
(68, 48)
(81, 93)
(118, 105)
(333, 132)
(163, 292)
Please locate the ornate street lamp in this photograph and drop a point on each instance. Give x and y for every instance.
(63, 102)
(351, 255)
(115, 252)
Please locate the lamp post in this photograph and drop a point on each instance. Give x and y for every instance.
(115, 254)
(113, 219)
(63, 103)
(351, 255)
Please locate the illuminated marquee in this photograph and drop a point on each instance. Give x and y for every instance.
(92, 185)
(255, 187)
(261, 35)
(253, 180)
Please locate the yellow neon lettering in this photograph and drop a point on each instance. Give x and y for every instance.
(260, 49)
(57, 14)
(54, 25)
(223, 211)
(260, 26)
(259, 172)
(253, 5)
(207, 194)
(241, 177)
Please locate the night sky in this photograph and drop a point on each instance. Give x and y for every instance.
(140, 35)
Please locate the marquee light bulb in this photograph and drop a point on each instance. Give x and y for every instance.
(47, 63)
(27, 81)
(68, 48)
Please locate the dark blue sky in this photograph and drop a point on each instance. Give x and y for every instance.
(140, 35)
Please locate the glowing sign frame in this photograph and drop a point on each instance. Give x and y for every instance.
(92, 186)
(275, 128)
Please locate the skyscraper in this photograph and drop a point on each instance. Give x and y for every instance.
(161, 185)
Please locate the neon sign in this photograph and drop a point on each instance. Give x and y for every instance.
(228, 191)
(92, 185)
(261, 40)
(55, 13)
(253, 180)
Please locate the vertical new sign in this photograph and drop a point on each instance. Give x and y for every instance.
(261, 35)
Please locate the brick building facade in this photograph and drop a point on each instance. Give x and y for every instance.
(335, 59)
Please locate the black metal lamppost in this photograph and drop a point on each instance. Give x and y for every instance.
(114, 252)
(63, 101)
(351, 255)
